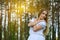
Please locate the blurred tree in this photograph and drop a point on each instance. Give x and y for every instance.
(9, 20)
(58, 11)
(0, 21)
(5, 23)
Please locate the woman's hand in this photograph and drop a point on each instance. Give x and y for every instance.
(32, 23)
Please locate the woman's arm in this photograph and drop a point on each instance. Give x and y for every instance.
(39, 26)
(36, 28)
(32, 23)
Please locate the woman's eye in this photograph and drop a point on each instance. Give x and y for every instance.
(43, 13)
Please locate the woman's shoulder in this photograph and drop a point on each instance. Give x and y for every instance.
(42, 22)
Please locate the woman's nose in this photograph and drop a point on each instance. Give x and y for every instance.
(44, 15)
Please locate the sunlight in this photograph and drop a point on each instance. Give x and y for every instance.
(20, 8)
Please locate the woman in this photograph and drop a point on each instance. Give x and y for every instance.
(38, 26)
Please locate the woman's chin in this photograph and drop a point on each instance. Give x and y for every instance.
(41, 18)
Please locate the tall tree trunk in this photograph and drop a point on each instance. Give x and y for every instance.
(26, 28)
(1, 22)
(58, 29)
(58, 20)
(21, 27)
(5, 30)
(9, 21)
(53, 31)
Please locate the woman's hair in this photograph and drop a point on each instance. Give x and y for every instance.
(47, 28)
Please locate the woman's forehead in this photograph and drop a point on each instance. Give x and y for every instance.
(45, 12)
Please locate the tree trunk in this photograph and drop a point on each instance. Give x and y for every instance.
(1, 23)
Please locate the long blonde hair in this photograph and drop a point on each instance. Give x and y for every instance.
(46, 31)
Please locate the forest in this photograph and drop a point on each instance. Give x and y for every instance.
(15, 16)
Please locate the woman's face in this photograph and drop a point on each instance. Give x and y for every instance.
(43, 15)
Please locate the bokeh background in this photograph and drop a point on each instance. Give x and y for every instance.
(15, 16)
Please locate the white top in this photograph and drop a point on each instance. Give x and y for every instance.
(39, 32)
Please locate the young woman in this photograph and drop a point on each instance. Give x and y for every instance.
(38, 26)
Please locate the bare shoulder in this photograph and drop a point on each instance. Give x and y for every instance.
(43, 21)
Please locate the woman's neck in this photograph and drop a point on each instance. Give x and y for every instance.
(40, 19)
